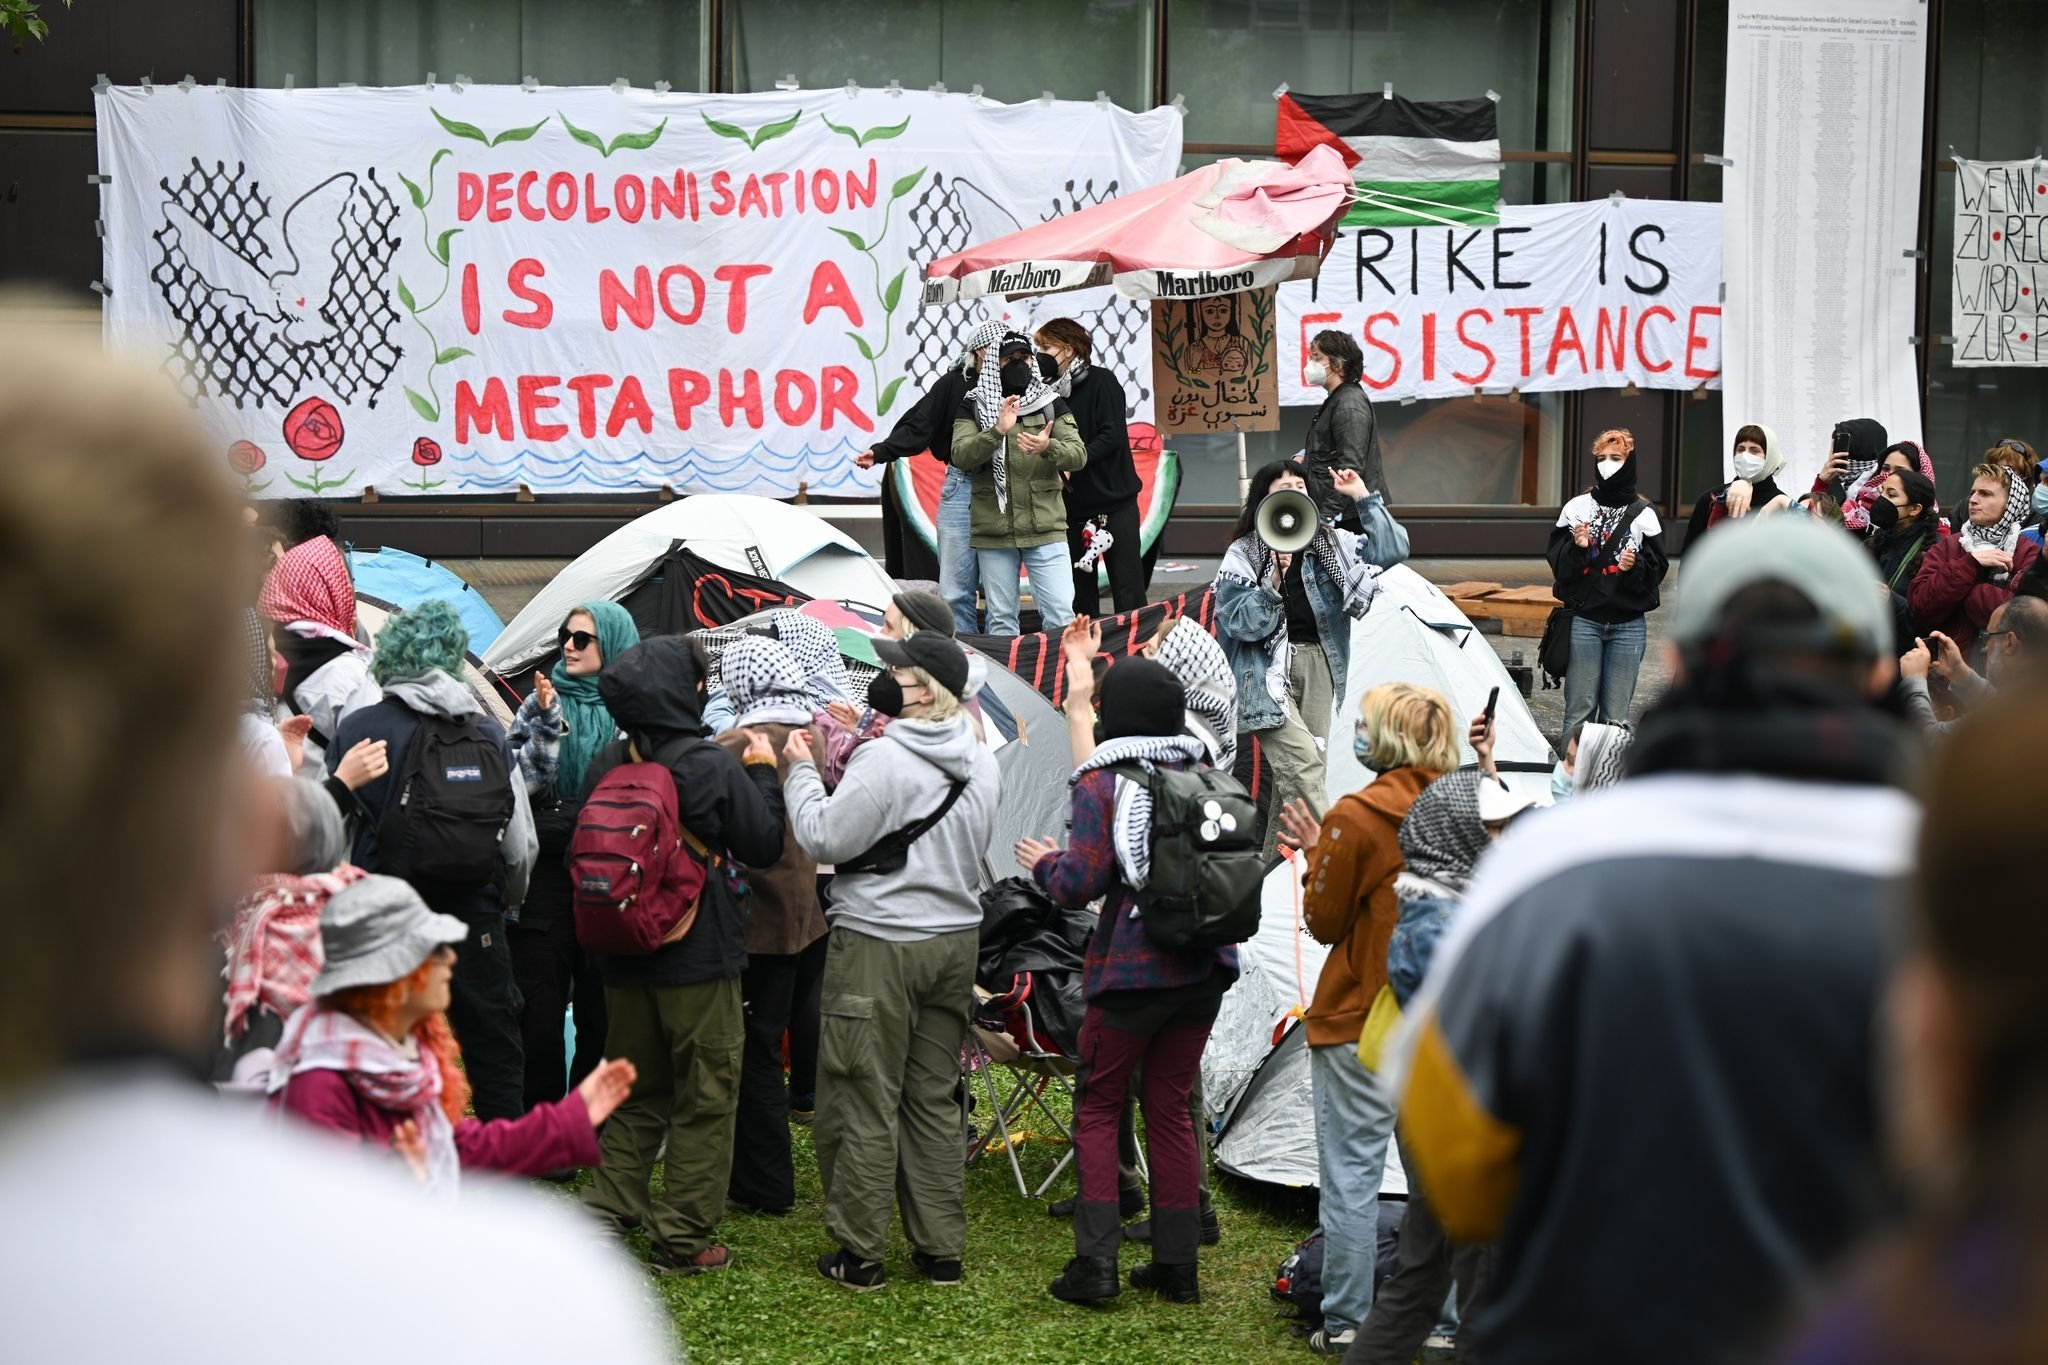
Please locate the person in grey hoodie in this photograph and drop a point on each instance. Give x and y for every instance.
(899, 968)
(417, 658)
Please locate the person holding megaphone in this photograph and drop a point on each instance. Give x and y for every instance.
(1285, 595)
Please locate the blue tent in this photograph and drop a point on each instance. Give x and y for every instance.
(397, 579)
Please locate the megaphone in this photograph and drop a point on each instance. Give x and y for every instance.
(1287, 520)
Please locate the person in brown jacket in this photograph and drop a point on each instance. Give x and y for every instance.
(1407, 735)
(785, 932)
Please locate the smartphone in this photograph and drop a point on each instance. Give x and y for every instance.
(1841, 442)
(1492, 700)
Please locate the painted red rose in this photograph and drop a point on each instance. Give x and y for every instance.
(313, 430)
(426, 452)
(245, 458)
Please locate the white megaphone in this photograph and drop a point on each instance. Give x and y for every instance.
(1287, 520)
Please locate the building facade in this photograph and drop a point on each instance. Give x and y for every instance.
(1596, 96)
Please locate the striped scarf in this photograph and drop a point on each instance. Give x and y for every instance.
(1131, 832)
(321, 1039)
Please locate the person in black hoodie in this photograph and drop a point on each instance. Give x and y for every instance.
(676, 1013)
(1903, 523)
(1107, 487)
(1854, 450)
(1607, 552)
(1758, 458)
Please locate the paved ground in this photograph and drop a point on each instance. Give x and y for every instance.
(508, 584)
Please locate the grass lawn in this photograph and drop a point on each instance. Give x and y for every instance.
(771, 1304)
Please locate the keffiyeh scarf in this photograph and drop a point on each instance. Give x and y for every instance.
(1131, 830)
(1192, 655)
(1603, 756)
(1250, 560)
(2003, 534)
(765, 683)
(262, 697)
(311, 585)
(816, 651)
(274, 945)
(320, 1039)
(1443, 836)
(988, 407)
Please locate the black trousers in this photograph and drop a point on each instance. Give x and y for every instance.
(1125, 562)
(763, 1173)
(805, 1021)
(552, 972)
(484, 1013)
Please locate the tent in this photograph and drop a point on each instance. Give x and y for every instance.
(1416, 634)
(482, 683)
(398, 579)
(748, 535)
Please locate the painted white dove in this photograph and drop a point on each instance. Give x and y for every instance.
(291, 297)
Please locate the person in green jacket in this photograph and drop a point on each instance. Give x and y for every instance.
(1016, 437)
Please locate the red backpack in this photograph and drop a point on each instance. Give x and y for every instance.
(637, 876)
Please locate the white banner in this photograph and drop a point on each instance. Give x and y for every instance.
(2001, 263)
(1822, 193)
(433, 291)
(1562, 296)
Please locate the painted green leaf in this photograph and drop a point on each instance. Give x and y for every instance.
(423, 407)
(405, 296)
(419, 198)
(771, 131)
(843, 132)
(888, 399)
(583, 135)
(637, 142)
(867, 352)
(441, 245)
(453, 353)
(726, 129)
(881, 134)
(854, 237)
(906, 184)
(894, 291)
(518, 134)
(457, 128)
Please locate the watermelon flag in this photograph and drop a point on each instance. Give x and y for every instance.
(1415, 163)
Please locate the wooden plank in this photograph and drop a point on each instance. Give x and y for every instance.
(1537, 594)
(1458, 592)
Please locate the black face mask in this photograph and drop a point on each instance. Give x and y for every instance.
(1884, 514)
(885, 694)
(1016, 378)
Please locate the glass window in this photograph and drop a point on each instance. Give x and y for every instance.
(557, 42)
(1709, 97)
(1014, 49)
(1227, 56)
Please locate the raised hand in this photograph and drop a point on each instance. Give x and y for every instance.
(294, 731)
(1351, 484)
(1582, 535)
(543, 690)
(1029, 851)
(1007, 418)
(864, 460)
(1299, 826)
(607, 1087)
(1480, 736)
(1915, 662)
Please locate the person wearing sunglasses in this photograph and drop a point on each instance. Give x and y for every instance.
(556, 732)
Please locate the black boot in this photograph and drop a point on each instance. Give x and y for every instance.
(1174, 1283)
(1087, 1279)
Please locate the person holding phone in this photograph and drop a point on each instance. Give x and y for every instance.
(1607, 553)
(1854, 449)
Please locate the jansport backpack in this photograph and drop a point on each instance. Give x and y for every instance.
(453, 802)
(636, 876)
(1207, 861)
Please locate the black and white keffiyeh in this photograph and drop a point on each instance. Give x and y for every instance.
(1192, 655)
(1443, 836)
(1131, 831)
(2003, 534)
(261, 700)
(988, 403)
(1603, 756)
(765, 683)
(1249, 560)
(816, 650)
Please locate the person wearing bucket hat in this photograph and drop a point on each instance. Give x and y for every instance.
(1764, 824)
(371, 1055)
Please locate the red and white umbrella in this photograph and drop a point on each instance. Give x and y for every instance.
(1231, 226)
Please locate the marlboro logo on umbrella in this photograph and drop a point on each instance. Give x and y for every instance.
(1415, 163)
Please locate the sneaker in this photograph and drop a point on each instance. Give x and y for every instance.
(937, 1269)
(1324, 1342)
(1141, 1231)
(1129, 1204)
(843, 1267)
(803, 1109)
(663, 1262)
(1087, 1279)
(1174, 1283)
(1438, 1347)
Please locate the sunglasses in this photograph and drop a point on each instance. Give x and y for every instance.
(582, 639)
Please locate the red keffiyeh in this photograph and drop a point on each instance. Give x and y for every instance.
(311, 583)
(274, 945)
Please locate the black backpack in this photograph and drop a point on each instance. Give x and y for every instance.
(1298, 1283)
(451, 801)
(1207, 858)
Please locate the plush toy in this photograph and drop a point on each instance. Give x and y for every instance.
(1095, 541)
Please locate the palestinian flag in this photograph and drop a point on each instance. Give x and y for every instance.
(1416, 164)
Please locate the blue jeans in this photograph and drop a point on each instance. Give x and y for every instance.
(959, 571)
(1601, 681)
(1354, 1120)
(1052, 585)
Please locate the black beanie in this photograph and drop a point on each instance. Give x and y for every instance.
(1141, 697)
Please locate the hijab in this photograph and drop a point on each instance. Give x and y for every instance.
(816, 650)
(1443, 836)
(311, 584)
(2003, 534)
(1774, 460)
(764, 682)
(589, 724)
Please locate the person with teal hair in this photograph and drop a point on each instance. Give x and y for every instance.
(557, 732)
(418, 662)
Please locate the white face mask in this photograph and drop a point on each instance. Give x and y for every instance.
(1749, 467)
(1317, 375)
(1608, 468)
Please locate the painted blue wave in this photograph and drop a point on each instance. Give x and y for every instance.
(759, 469)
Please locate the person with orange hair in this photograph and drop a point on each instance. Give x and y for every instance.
(371, 1055)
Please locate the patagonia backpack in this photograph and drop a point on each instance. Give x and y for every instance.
(447, 822)
(1207, 863)
(636, 876)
